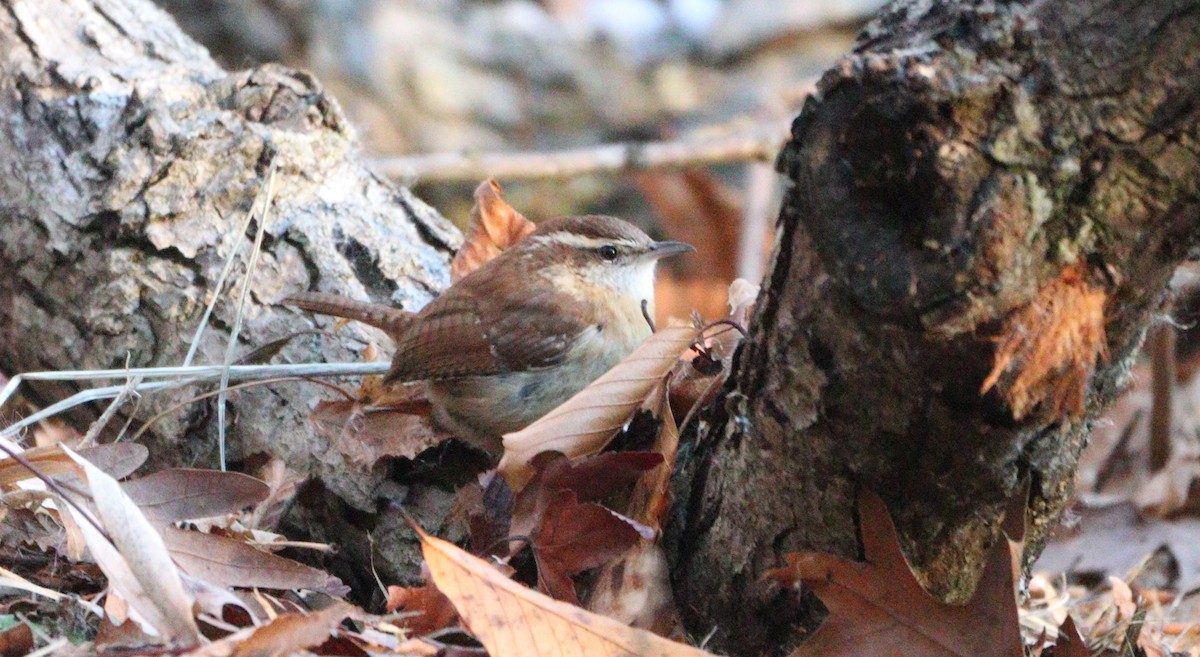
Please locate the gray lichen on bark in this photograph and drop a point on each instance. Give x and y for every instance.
(129, 161)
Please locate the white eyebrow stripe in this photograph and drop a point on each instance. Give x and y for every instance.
(583, 241)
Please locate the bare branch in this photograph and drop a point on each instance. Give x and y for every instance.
(761, 144)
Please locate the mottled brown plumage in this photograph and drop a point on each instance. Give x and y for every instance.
(526, 330)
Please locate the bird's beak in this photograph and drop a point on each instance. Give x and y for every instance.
(664, 249)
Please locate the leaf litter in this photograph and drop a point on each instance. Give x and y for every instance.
(562, 515)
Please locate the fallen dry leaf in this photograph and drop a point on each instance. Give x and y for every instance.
(495, 226)
(1048, 348)
(695, 381)
(177, 494)
(119, 461)
(390, 422)
(586, 422)
(285, 634)
(742, 295)
(16, 641)
(511, 620)
(136, 561)
(1070, 643)
(574, 537)
(636, 590)
(877, 607)
(229, 562)
(591, 478)
(434, 609)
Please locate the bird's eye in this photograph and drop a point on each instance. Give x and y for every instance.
(608, 252)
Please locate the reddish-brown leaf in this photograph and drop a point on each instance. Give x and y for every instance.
(1070, 642)
(495, 226)
(591, 478)
(877, 607)
(490, 514)
(177, 494)
(16, 641)
(435, 609)
(118, 460)
(574, 537)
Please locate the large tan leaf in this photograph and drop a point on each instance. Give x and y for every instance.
(229, 562)
(188, 493)
(511, 620)
(586, 422)
(136, 561)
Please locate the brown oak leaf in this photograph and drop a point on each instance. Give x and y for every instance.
(877, 607)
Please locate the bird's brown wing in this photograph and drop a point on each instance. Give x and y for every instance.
(475, 329)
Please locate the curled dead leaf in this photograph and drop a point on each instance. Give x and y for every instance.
(495, 226)
(586, 422)
(574, 537)
(284, 635)
(136, 561)
(432, 608)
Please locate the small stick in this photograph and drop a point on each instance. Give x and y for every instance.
(267, 195)
(760, 145)
(93, 431)
(1162, 387)
(182, 375)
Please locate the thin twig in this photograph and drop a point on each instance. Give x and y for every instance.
(238, 239)
(231, 347)
(182, 376)
(93, 431)
(762, 145)
(1162, 388)
(149, 423)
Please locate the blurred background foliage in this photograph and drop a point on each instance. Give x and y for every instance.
(436, 76)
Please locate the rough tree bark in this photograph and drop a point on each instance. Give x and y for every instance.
(129, 162)
(946, 173)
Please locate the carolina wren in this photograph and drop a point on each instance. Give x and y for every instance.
(527, 330)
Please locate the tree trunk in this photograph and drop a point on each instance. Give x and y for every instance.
(968, 169)
(966, 164)
(130, 160)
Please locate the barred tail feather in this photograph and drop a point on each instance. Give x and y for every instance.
(381, 317)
